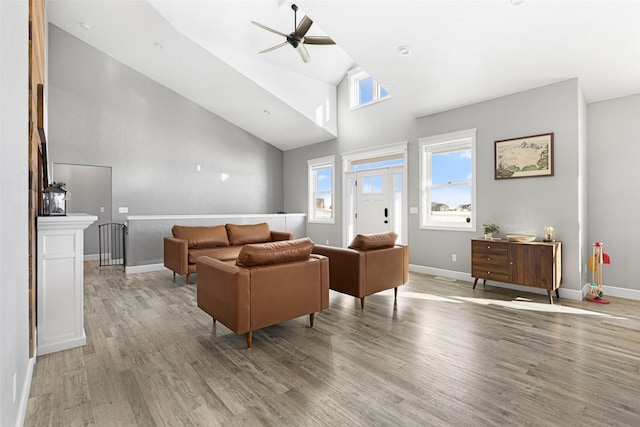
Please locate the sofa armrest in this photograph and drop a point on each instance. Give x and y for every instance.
(223, 291)
(346, 269)
(176, 257)
(280, 235)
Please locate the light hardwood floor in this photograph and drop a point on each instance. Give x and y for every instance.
(443, 355)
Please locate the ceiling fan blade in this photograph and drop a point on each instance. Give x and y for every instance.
(303, 53)
(318, 40)
(303, 26)
(273, 47)
(269, 29)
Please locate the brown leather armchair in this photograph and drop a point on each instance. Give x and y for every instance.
(269, 283)
(371, 264)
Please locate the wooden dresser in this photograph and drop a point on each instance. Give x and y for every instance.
(536, 264)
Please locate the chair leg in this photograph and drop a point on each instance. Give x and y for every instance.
(311, 319)
(174, 277)
(188, 279)
(249, 336)
(362, 303)
(395, 293)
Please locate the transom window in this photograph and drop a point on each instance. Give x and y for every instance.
(321, 189)
(363, 89)
(447, 177)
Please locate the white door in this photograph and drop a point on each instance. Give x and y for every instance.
(373, 202)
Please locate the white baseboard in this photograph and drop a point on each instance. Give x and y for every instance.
(144, 268)
(26, 389)
(92, 257)
(572, 294)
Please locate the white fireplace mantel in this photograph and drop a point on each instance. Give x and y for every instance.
(60, 281)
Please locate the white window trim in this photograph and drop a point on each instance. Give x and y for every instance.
(462, 138)
(320, 163)
(358, 74)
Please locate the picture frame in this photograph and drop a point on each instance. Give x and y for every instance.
(524, 157)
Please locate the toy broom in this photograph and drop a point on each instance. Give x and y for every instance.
(598, 258)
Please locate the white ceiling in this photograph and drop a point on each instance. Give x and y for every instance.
(462, 52)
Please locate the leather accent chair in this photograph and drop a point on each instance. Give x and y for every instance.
(372, 263)
(269, 283)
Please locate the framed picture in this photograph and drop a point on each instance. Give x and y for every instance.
(524, 157)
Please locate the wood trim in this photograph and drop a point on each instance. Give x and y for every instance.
(36, 77)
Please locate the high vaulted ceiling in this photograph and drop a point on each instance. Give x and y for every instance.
(461, 52)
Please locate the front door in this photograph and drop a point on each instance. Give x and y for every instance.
(373, 202)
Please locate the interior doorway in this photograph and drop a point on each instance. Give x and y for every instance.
(374, 192)
(89, 191)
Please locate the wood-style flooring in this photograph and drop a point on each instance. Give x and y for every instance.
(444, 355)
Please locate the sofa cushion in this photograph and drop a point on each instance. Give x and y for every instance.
(275, 252)
(251, 233)
(202, 236)
(222, 253)
(366, 242)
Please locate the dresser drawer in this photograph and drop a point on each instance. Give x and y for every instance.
(489, 247)
(490, 273)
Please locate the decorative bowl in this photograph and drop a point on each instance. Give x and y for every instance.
(520, 237)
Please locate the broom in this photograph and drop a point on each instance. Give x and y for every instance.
(595, 293)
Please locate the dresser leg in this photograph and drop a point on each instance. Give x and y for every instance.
(475, 282)
(550, 296)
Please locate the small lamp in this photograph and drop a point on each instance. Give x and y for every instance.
(54, 202)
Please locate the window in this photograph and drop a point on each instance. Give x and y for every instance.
(321, 189)
(447, 181)
(364, 90)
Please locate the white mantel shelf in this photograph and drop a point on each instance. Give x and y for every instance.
(70, 221)
(60, 281)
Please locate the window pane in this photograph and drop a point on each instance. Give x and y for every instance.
(372, 184)
(383, 92)
(377, 184)
(451, 204)
(397, 182)
(323, 208)
(365, 90)
(397, 205)
(451, 167)
(323, 179)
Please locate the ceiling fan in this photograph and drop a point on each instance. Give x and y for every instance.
(297, 38)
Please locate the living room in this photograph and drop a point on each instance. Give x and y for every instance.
(96, 106)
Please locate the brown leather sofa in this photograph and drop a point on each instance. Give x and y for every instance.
(223, 242)
(269, 283)
(372, 263)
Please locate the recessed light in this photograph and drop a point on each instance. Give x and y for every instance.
(85, 26)
(404, 50)
(515, 2)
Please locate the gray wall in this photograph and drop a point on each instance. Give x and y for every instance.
(89, 191)
(103, 113)
(524, 205)
(14, 212)
(614, 157)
